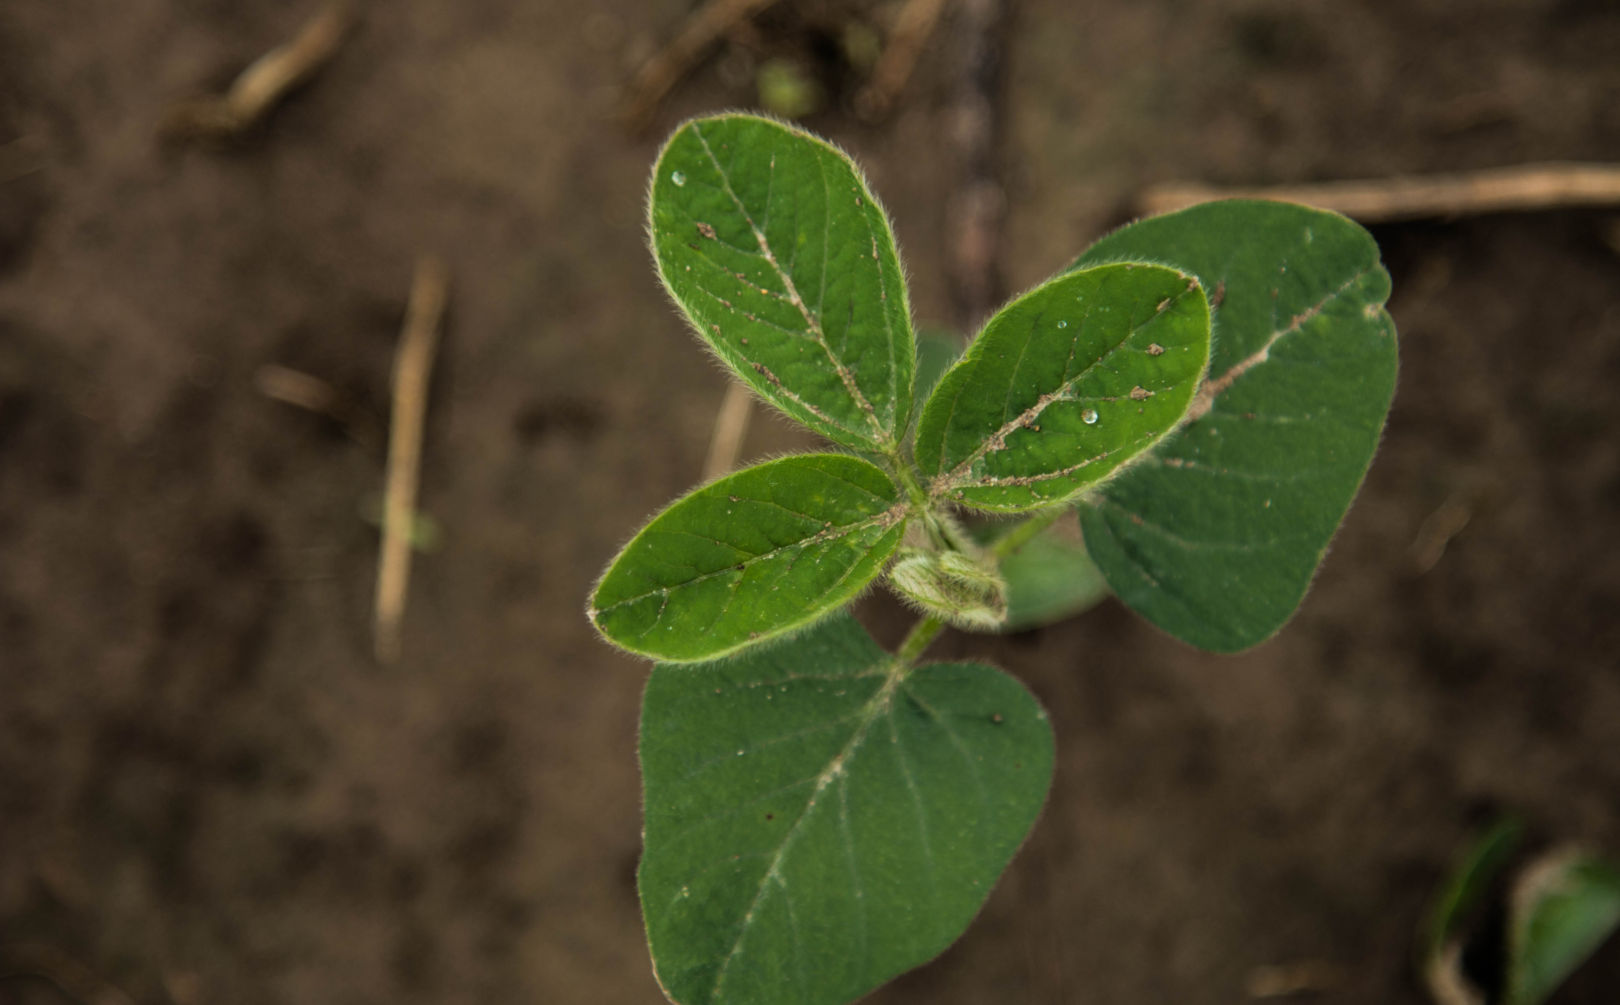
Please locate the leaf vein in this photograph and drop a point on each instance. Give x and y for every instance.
(885, 520)
(835, 771)
(810, 320)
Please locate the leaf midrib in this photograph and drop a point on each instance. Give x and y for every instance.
(875, 707)
(961, 475)
(883, 437)
(1211, 389)
(886, 519)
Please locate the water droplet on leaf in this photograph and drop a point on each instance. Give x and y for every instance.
(1089, 416)
(678, 178)
(1063, 324)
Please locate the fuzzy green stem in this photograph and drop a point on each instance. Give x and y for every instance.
(944, 530)
(917, 640)
(955, 537)
(908, 481)
(1026, 532)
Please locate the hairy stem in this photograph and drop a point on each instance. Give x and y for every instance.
(917, 640)
(955, 537)
(944, 531)
(901, 469)
(1026, 532)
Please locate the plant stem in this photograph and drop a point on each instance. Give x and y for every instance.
(956, 537)
(917, 640)
(1026, 531)
(908, 481)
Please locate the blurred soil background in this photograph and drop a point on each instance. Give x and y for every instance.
(210, 792)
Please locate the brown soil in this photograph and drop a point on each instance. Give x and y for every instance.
(209, 792)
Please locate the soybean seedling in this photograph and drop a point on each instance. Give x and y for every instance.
(1199, 395)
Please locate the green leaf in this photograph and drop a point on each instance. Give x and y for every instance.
(784, 262)
(1064, 385)
(1215, 536)
(1468, 886)
(1049, 579)
(753, 555)
(817, 823)
(1563, 909)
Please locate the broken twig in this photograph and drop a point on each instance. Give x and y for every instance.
(729, 428)
(312, 394)
(1495, 190)
(912, 27)
(413, 364)
(976, 209)
(263, 85)
(675, 60)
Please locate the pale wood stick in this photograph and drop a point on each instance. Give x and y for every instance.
(294, 387)
(976, 209)
(413, 364)
(671, 63)
(301, 390)
(1493, 190)
(266, 82)
(730, 425)
(910, 33)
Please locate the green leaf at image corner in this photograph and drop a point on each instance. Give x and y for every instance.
(1215, 535)
(817, 824)
(1563, 908)
(755, 554)
(785, 264)
(1064, 385)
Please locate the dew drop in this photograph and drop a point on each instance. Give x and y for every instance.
(1063, 324)
(678, 178)
(1089, 416)
(741, 752)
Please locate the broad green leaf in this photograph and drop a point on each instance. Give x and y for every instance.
(817, 823)
(1048, 579)
(753, 555)
(1563, 909)
(1215, 536)
(784, 262)
(1064, 385)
